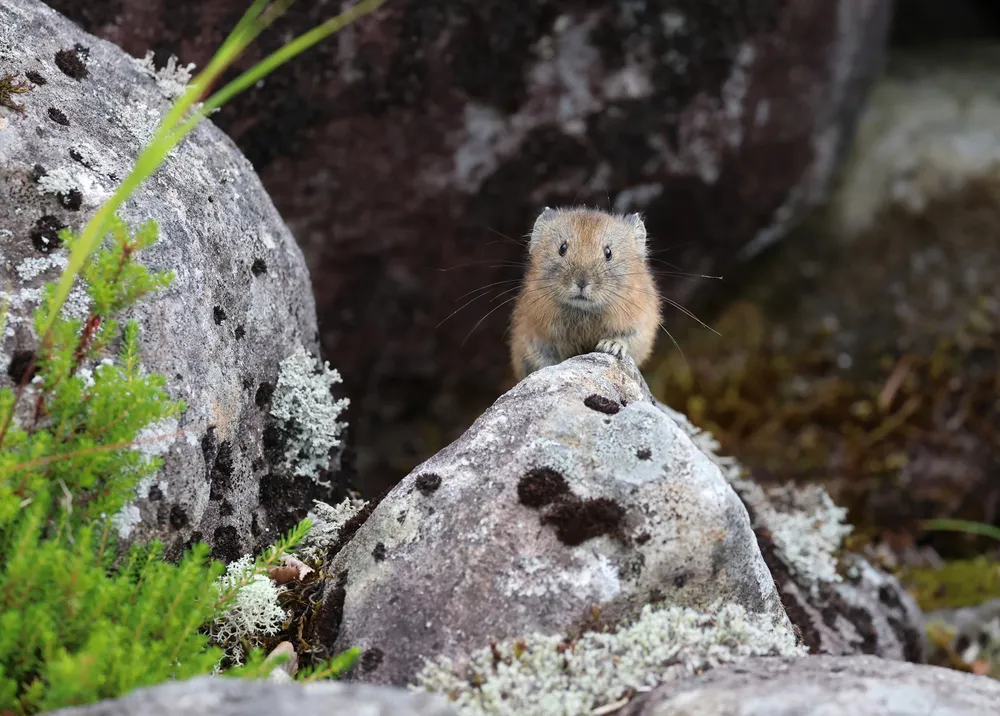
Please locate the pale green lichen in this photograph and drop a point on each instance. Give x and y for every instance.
(308, 413)
(541, 675)
(172, 79)
(327, 521)
(252, 612)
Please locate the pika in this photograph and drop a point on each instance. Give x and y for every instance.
(587, 288)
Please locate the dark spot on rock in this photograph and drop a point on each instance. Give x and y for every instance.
(656, 595)
(71, 200)
(58, 117)
(113, 177)
(211, 200)
(642, 538)
(379, 552)
(18, 367)
(36, 77)
(326, 624)
(219, 314)
(680, 580)
(427, 483)
(247, 383)
(225, 509)
(858, 617)
(257, 465)
(577, 521)
(240, 332)
(255, 527)
(226, 544)
(37, 172)
(77, 157)
(71, 64)
(222, 471)
(209, 446)
(644, 454)
(259, 267)
(263, 395)
(888, 597)
(602, 404)
(401, 517)
(274, 444)
(371, 659)
(911, 639)
(178, 517)
(541, 486)
(45, 234)
(155, 493)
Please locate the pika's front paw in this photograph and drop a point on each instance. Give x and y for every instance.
(611, 346)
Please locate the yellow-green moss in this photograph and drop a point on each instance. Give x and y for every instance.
(962, 583)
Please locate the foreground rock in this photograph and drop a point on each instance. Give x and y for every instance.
(820, 685)
(231, 335)
(411, 142)
(236, 697)
(568, 506)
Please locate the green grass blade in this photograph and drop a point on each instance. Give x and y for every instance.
(975, 528)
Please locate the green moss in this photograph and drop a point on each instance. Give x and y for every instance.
(10, 85)
(962, 583)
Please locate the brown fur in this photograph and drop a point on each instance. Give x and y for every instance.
(551, 322)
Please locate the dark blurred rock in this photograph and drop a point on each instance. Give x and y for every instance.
(416, 140)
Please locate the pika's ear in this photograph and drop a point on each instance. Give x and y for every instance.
(640, 229)
(547, 215)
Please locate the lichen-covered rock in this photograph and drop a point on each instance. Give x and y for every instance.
(568, 506)
(838, 602)
(235, 334)
(212, 696)
(416, 139)
(820, 685)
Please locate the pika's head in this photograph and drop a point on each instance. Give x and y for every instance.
(586, 259)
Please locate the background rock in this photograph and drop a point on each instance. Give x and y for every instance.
(816, 685)
(568, 506)
(418, 139)
(864, 355)
(208, 696)
(240, 305)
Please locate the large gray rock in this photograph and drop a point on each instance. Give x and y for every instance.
(414, 140)
(822, 685)
(240, 306)
(569, 505)
(211, 696)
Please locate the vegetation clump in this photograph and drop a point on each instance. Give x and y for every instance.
(10, 86)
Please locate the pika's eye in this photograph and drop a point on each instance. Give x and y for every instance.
(562, 249)
(607, 253)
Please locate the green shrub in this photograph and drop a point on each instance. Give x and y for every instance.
(79, 621)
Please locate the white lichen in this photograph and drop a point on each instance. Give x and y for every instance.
(127, 519)
(327, 521)
(540, 675)
(308, 412)
(172, 79)
(252, 611)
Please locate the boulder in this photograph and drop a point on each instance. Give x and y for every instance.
(212, 696)
(417, 140)
(235, 335)
(819, 685)
(572, 505)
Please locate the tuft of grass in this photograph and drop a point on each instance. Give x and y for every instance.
(10, 85)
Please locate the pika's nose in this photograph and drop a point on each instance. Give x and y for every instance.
(582, 283)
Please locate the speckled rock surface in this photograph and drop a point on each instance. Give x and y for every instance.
(416, 140)
(236, 697)
(839, 603)
(241, 303)
(571, 503)
(821, 685)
